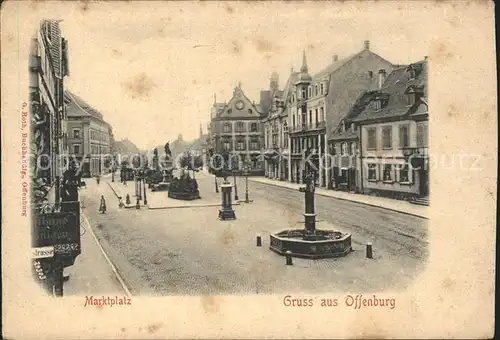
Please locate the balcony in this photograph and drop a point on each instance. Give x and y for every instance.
(308, 127)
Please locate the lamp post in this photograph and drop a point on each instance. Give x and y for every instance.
(145, 198)
(139, 181)
(235, 186)
(246, 170)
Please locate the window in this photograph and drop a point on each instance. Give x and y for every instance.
(403, 174)
(370, 74)
(321, 88)
(315, 90)
(240, 145)
(240, 127)
(253, 127)
(304, 94)
(353, 127)
(353, 148)
(310, 91)
(254, 143)
(310, 116)
(76, 133)
(410, 99)
(422, 137)
(321, 114)
(372, 172)
(344, 149)
(387, 172)
(387, 137)
(293, 121)
(227, 127)
(372, 139)
(293, 98)
(378, 104)
(227, 144)
(403, 136)
(317, 121)
(76, 149)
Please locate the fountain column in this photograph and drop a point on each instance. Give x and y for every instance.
(310, 215)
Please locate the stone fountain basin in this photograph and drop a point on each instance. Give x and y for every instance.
(323, 244)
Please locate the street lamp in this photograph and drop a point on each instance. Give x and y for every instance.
(139, 180)
(246, 170)
(145, 198)
(235, 186)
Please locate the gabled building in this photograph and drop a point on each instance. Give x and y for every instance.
(236, 128)
(89, 136)
(320, 102)
(394, 135)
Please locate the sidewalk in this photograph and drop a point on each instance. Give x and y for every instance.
(385, 203)
(91, 274)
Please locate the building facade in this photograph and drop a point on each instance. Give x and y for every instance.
(89, 136)
(48, 66)
(275, 126)
(394, 136)
(320, 102)
(236, 129)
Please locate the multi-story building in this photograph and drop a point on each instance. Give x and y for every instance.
(89, 136)
(394, 137)
(275, 125)
(319, 102)
(48, 66)
(235, 128)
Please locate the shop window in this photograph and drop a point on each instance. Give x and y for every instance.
(403, 174)
(372, 172)
(387, 172)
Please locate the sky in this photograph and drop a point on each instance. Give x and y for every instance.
(153, 70)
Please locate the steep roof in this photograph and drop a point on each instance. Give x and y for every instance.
(333, 67)
(358, 107)
(395, 88)
(126, 147)
(292, 79)
(77, 107)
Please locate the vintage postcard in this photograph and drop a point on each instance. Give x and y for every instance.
(248, 169)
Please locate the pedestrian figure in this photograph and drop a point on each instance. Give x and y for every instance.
(98, 179)
(127, 200)
(120, 202)
(102, 207)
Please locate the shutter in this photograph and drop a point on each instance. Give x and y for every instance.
(55, 47)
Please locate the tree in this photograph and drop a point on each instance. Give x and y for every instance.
(190, 162)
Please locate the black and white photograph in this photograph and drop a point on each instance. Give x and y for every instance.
(296, 153)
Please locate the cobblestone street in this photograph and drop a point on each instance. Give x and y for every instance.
(189, 251)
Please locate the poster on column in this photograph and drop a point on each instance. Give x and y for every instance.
(248, 169)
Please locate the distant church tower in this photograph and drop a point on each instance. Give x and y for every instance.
(274, 82)
(201, 130)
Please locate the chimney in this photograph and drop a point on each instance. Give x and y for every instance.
(381, 78)
(335, 58)
(367, 44)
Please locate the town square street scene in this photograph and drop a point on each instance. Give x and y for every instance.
(248, 166)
